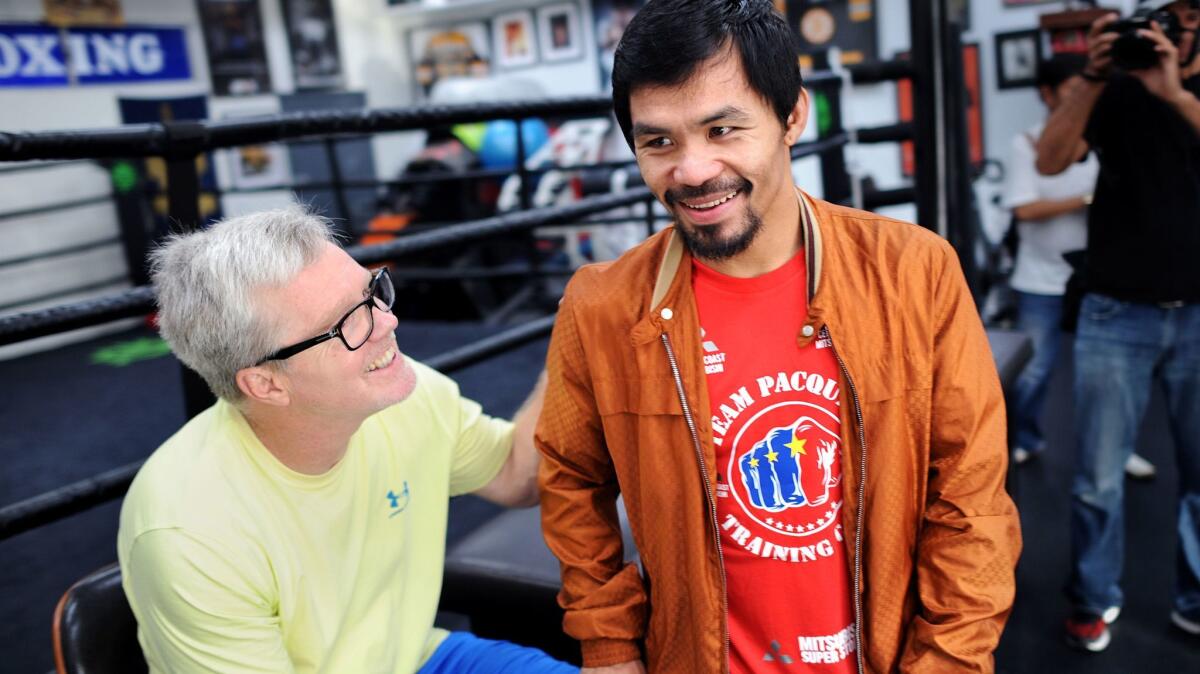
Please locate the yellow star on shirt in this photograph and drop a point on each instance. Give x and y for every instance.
(797, 446)
(772, 456)
(753, 462)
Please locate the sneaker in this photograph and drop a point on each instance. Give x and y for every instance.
(1138, 468)
(1088, 632)
(1189, 626)
(1111, 614)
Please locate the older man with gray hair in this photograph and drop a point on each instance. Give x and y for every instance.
(298, 524)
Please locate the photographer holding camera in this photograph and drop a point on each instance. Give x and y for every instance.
(1137, 105)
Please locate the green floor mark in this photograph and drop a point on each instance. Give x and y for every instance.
(132, 351)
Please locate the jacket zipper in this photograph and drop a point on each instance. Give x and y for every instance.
(712, 504)
(862, 491)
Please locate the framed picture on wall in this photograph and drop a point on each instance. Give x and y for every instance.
(458, 50)
(236, 46)
(256, 166)
(312, 37)
(609, 19)
(849, 25)
(560, 33)
(512, 33)
(1017, 55)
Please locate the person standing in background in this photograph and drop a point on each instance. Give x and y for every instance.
(1051, 219)
(1140, 319)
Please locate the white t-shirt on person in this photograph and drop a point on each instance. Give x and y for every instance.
(1040, 267)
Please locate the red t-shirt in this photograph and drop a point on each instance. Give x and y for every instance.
(779, 478)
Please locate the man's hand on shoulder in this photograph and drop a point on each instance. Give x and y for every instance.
(631, 667)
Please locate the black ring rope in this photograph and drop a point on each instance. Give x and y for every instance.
(140, 301)
(499, 224)
(181, 139)
(77, 497)
(176, 139)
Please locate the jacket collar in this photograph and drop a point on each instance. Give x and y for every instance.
(811, 236)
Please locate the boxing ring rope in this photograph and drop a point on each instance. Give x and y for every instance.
(171, 139)
(140, 301)
(85, 494)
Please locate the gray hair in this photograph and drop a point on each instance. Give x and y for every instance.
(207, 285)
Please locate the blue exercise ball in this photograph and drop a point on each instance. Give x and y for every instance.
(499, 147)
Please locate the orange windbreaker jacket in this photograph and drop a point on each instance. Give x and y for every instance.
(933, 537)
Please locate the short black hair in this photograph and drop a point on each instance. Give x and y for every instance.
(1059, 68)
(668, 39)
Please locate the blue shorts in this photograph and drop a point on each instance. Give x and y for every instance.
(463, 652)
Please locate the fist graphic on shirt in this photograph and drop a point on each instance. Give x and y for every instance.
(791, 467)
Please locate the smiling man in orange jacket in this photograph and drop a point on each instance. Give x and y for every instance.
(796, 400)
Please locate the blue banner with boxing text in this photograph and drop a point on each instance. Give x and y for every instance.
(37, 55)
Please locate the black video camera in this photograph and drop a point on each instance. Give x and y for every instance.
(1131, 51)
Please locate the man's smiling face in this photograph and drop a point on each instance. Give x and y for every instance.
(715, 153)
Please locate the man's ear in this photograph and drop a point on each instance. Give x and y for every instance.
(797, 119)
(264, 384)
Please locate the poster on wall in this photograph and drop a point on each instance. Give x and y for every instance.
(233, 38)
(313, 41)
(1018, 53)
(83, 12)
(972, 82)
(560, 34)
(459, 50)
(512, 33)
(848, 25)
(609, 19)
(253, 167)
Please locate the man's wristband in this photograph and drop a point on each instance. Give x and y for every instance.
(1092, 77)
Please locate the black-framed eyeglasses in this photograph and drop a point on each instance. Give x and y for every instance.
(355, 328)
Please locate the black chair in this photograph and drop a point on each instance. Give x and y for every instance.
(94, 629)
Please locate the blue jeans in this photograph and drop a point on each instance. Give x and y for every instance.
(1120, 348)
(1039, 317)
(465, 653)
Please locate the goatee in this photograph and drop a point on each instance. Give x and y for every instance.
(706, 242)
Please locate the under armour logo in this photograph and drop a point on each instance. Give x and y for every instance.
(398, 502)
